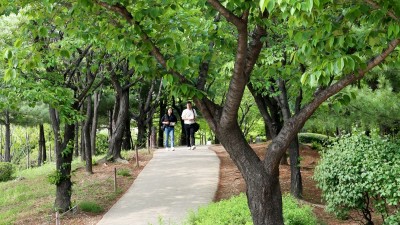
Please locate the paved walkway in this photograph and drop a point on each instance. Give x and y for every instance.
(170, 185)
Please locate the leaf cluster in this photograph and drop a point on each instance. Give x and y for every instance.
(360, 173)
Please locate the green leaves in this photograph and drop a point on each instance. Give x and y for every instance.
(357, 170)
(267, 4)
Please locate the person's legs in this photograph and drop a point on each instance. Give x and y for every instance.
(172, 138)
(166, 131)
(187, 132)
(192, 141)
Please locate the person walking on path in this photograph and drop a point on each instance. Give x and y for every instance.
(189, 117)
(169, 120)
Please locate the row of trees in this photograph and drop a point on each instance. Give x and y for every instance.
(291, 55)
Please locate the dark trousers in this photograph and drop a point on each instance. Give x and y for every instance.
(189, 130)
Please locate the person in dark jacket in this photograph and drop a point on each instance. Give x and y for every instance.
(169, 120)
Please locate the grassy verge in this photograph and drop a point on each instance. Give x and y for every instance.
(29, 199)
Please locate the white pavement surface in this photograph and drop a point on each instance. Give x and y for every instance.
(170, 185)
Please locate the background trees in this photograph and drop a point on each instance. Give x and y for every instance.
(296, 55)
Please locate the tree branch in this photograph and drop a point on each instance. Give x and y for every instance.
(376, 6)
(155, 51)
(232, 18)
(291, 128)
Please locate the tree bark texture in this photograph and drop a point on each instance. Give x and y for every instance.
(64, 152)
(96, 103)
(120, 113)
(86, 129)
(42, 156)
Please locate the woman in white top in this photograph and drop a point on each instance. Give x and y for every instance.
(189, 118)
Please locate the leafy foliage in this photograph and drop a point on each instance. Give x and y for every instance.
(235, 211)
(92, 207)
(314, 137)
(361, 173)
(55, 177)
(6, 171)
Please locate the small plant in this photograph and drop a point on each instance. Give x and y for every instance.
(6, 171)
(124, 172)
(92, 207)
(236, 211)
(55, 177)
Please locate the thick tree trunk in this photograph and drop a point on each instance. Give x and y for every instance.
(86, 129)
(262, 182)
(7, 144)
(119, 119)
(96, 103)
(64, 155)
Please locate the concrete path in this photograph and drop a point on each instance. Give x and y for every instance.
(170, 185)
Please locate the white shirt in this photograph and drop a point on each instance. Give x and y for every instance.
(188, 116)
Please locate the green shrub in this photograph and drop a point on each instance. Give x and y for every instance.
(235, 211)
(101, 143)
(124, 172)
(6, 171)
(360, 173)
(294, 214)
(308, 138)
(92, 207)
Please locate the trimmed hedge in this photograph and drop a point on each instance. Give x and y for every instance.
(6, 171)
(309, 138)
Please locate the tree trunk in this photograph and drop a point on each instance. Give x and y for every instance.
(42, 146)
(76, 140)
(162, 108)
(141, 136)
(296, 184)
(7, 144)
(262, 182)
(126, 140)
(96, 103)
(86, 129)
(120, 114)
(64, 154)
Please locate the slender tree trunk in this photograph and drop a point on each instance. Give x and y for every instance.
(42, 146)
(82, 149)
(96, 102)
(40, 152)
(126, 140)
(86, 129)
(7, 146)
(141, 136)
(296, 184)
(162, 108)
(44, 158)
(64, 155)
(76, 140)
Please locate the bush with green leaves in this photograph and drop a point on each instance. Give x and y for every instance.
(361, 173)
(309, 138)
(236, 211)
(92, 207)
(6, 171)
(101, 143)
